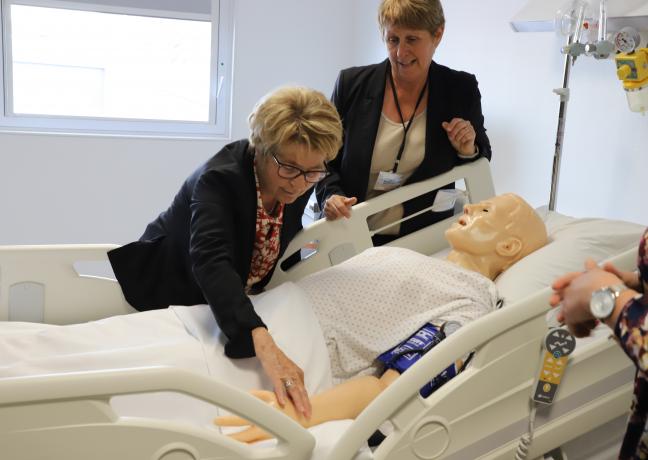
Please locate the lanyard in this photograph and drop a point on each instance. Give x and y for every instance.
(400, 113)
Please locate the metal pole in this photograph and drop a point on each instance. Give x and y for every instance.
(571, 51)
(560, 134)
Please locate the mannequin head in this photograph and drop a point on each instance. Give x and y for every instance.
(493, 234)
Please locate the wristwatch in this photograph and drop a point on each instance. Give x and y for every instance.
(603, 300)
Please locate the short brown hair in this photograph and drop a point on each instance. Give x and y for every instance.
(413, 14)
(296, 115)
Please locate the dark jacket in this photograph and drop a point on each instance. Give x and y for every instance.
(199, 250)
(358, 96)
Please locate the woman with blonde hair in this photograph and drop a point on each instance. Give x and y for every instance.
(230, 223)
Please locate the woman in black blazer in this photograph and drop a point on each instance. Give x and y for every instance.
(405, 119)
(230, 223)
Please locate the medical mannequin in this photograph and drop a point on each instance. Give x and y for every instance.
(488, 238)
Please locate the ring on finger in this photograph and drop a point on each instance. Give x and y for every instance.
(288, 383)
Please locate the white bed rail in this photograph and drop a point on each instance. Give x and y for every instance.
(69, 416)
(36, 280)
(482, 412)
(41, 278)
(353, 236)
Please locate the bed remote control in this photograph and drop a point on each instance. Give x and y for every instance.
(558, 344)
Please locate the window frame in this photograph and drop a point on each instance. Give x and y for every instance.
(220, 95)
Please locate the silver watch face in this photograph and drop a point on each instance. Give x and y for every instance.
(602, 303)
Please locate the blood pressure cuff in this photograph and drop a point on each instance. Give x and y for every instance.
(405, 354)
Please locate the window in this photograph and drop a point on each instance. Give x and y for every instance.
(148, 67)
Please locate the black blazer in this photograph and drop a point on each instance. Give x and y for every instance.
(358, 96)
(200, 249)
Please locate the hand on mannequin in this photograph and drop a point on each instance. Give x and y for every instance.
(253, 433)
(337, 206)
(573, 292)
(343, 401)
(461, 135)
(286, 377)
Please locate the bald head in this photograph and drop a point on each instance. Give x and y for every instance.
(525, 224)
(494, 234)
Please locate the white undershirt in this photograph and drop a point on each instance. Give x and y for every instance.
(388, 141)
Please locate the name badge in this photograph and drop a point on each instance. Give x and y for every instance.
(388, 180)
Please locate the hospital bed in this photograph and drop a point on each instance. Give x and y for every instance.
(481, 413)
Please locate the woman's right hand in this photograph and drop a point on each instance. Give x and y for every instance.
(287, 378)
(337, 206)
(572, 292)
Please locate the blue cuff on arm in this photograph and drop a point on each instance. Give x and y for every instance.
(404, 355)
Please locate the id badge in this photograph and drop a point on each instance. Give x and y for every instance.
(388, 180)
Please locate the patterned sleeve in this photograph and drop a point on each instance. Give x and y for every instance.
(632, 326)
(642, 259)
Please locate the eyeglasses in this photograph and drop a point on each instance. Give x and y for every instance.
(292, 172)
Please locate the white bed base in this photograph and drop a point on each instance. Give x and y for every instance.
(479, 414)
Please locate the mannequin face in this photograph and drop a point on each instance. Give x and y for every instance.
(502, 228)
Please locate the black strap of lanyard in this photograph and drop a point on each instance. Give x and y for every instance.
(400, 113)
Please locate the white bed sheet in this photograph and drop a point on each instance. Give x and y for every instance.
(184, 337)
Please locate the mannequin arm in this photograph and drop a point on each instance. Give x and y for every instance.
(343, 401)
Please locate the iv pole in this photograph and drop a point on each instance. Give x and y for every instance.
(600, 49)
(570, 58)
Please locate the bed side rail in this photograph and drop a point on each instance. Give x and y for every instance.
(86, 426)
(344, 238)
(483, 411)
(41, 283)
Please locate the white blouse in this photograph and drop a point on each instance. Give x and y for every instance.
(388, 141)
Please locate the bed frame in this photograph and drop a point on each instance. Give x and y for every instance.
(481, 413)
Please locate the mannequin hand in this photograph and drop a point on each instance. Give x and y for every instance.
(574, 291)
(280, 369)
(461, 135)
(253, 433)
(337, 206)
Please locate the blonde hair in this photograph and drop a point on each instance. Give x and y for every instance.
(523, 216)
(296, 115)
(412, 14)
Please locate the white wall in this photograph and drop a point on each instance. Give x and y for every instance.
(605, 149)
(84, 189)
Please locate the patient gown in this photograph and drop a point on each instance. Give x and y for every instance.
(378, 298)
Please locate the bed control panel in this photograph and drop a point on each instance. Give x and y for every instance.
(558, 345)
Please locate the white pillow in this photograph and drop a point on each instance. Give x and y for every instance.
(571, 242)
(294, 327)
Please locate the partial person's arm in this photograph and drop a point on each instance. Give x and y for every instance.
(630, 327)
(213, 234)
(281, 369)
(480, 143)
(629, 320)
(337, 206)
(212, 251)
(330, 194)
(343, 401)
(573, 292)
